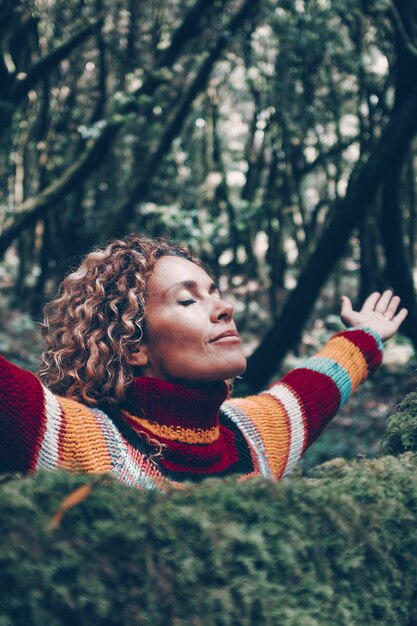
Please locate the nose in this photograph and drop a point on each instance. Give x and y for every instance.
(222, 311)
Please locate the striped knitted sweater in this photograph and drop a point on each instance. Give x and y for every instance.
(167, 433)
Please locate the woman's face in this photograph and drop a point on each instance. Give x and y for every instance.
(190, 332)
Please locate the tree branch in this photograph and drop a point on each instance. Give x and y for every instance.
(336, 149)
(38, 70)
(189, 29)
(141, 186)
(33, 208)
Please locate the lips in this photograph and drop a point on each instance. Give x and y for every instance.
(227, 334)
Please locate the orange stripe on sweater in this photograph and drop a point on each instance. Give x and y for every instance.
(272, 423)
(83, 445)
(177, 433)
(349, 356)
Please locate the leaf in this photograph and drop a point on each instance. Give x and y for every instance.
(74, 498)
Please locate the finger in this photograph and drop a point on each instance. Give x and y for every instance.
(399, 318)
(392, 307)
(383, 302)
(347, 314)
(370, 302)
(346, 310)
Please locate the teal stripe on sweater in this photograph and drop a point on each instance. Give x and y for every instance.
(335, 371)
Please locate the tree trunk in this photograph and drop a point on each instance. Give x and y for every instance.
(398, 260)
(369, 270)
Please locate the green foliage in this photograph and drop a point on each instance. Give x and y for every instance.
(270, 130)
(339, 548)
(401, 434)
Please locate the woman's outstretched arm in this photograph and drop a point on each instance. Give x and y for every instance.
(283, 421)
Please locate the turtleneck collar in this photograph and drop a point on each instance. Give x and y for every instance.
(175, 411)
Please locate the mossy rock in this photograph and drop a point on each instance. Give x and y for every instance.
(401, 435)
(337, 549)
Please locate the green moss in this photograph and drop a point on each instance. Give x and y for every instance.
(339, 548)
(401, 435)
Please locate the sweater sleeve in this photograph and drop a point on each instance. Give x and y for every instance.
(39, 429)
(283, 421)
(21, 417)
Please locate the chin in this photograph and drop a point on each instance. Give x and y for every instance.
(214, 374)
(236, 370)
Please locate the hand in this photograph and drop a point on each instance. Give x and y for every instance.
(378, 312)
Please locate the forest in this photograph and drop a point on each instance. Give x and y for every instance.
(276, 137)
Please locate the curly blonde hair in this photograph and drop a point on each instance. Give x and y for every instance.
(98, 319)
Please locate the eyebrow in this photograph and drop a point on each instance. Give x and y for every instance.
(191, 284)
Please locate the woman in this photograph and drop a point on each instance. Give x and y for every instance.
(140, 345)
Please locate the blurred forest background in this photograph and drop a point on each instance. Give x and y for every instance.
(277, 137)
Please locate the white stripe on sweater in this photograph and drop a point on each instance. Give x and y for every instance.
(48, 457)
(251, 434)
(125, 468)
(290, 402)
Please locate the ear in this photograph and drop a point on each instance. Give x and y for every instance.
(139, 358)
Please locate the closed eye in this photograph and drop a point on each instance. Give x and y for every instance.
(186, 302)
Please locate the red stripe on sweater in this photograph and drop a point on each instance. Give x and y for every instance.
(319, 397)
(199, 458)
(366, 343)
(22, 417)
